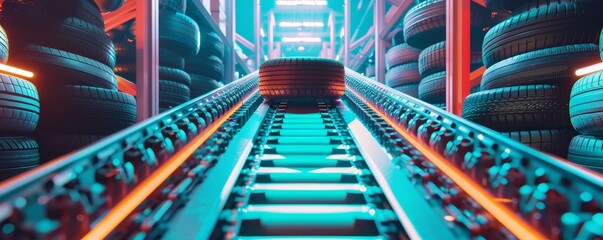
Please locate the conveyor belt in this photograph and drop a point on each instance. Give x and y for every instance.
(305, 177)
(376, 165)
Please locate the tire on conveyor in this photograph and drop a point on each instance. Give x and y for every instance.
(302, 78)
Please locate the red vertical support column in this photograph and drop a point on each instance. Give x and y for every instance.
(229, 59)
(379, 24)
(256, 26)
(346, 32)
(214, 8)
(458, 50)
(147, 59)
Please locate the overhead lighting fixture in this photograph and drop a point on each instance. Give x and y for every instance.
(590, 69)
(302, 39)
(301, 24)
(342, 32)
(262, 32)
(301, 48)
(301, 2)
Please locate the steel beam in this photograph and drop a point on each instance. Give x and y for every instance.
(120, 16)
(229, 57)
(369, 34)
(332, 35)
(379, 23)
(458, 50)
(246, 43)
(393, 15)
(271, 26)
(214, 9)
(257, 26)
(346, 32)
(147, 59)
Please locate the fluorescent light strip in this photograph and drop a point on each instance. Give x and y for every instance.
(590, 69)
(301, 2)
(301, 24)
(15, 71)
(302, 39)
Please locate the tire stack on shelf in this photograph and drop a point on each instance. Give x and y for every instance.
(402, 66)
(179, 38)
(206, 68)
(65, 45)
(586, 112)
(532, 58)
(19, 115)
(370, 68)
(425, 29)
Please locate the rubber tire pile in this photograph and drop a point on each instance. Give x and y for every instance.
(402, 65)
(65, 44)
(586, 112)
(425, 29)
(531, 58)
(206, 68)
(179, 38)
(19, 115)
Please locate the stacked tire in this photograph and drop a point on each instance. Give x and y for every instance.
(425, 29)
(19, 115)
(586, 112)
(179, 38)
(402, 66)
(206, 68)
(65, 44)
(531, 58)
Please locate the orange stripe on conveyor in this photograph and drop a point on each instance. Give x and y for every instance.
(142, 191)
(504, 215)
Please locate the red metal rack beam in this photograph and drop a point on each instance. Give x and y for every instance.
(458, 50)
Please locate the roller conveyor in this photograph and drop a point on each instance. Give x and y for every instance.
(228, 165)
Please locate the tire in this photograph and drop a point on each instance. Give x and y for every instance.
(200, 85)
(519, 108)
(172, 94)
(302, 78)
(3, 46)
(586, 105)
(403, 75)
(370, 71)
(552, 66)
(211, 45)
(17, 154)
(126, 54)
(56, 68)
(76, 36)
(401, 54)
(553, 141)
(38, 14)
(174, 5)
(81, 109)
(425, 24)
(432, 88)
(210, 66)
(587, 151)
(53, 145)
(109, 5)
(19, 106)
(433, 59)
(128, 71)
(541, 28)
(398, 38)
(505, 5)
(179, 33)
(410, 89)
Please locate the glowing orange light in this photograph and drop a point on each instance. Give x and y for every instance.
(449, 218)
(144, 189)
(126, 86)
(590, 69)
(503, 200)
(506, 217)
(15, 71)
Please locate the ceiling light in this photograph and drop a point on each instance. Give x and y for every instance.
(301, 24)
(590, 69)
(301, 48)
(302, 39)
(301, 2)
